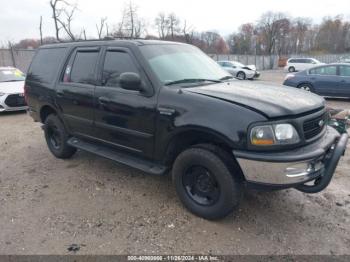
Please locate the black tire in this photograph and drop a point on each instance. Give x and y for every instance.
(241, 75)
(291, 69)
(56, 138)
(223, 193)
(306, 87)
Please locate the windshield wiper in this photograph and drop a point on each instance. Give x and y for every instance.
(226, 78)
(192, 80)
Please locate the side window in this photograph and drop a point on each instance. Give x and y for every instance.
(115, 64)
(45, 64)
(344, 70)
(315, 71)
(330, 70)
(81, 67)
(292, 61)
(324, 70)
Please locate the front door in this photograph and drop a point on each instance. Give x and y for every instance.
(124, 119)
(325, 80)
(75, 91)
(344, 73)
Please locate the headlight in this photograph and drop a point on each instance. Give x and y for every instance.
(278, 134)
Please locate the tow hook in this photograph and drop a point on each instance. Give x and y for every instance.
(331, 163)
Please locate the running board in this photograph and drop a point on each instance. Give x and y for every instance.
(121, 158)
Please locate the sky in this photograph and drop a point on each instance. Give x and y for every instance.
(19, 19)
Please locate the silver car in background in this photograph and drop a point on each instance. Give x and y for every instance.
(239, 70)
(11, 89)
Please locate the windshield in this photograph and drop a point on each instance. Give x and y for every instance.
(238, 64)
(11, 75)
(173, 63)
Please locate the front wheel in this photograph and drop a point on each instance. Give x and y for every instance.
(241, 75)
(205, 184)
(56, 138)
(306, 87)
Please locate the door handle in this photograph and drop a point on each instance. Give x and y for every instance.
(103, 100)
(59, 93)
(343, 81)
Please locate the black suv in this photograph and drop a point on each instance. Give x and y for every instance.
(166, 107)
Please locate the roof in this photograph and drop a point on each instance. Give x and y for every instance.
(124, 42)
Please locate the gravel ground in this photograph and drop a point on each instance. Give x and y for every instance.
(46, 205)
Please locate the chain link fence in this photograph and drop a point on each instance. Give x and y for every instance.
(21, 59)
(272, 62)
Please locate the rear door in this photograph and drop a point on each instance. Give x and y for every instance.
(325, 80)
(75, 90)
(344, 75)
(124, 119)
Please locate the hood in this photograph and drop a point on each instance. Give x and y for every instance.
(270, 100)
(12, 87)
(251, 67)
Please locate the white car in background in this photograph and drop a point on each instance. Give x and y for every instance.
(300, 64)
(239, 70)
(11, 89)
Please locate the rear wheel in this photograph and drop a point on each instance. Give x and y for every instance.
(57, 137)
(205, 183)
(241, 75)
(291, 69)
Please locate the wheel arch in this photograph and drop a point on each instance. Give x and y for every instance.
(186, 137)
(45, 111)
(240, 71)
(305, 83)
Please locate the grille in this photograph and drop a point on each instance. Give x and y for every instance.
(312, 126)
(16, 100)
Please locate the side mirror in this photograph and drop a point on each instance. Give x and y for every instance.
(130, 81)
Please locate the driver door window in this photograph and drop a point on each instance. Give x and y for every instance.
(115, 64)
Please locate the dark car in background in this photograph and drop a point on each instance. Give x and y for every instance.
(327, 80)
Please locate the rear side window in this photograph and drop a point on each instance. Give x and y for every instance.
(82, 68)
(46, 64)
(115, 64)
(324, 70)
(344, 70)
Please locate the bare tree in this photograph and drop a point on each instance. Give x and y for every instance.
(271, 26)
(62, 14)
(84, 34)
(107, 30)
(41, 29)
(173, 22)
(130, 19)
(130, 26)
(188, 32)
(162, 24)
(55, 14)
(101, 26)
(66, 22)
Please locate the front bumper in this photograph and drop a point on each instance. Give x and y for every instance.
(5, 108)
(295, 167)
